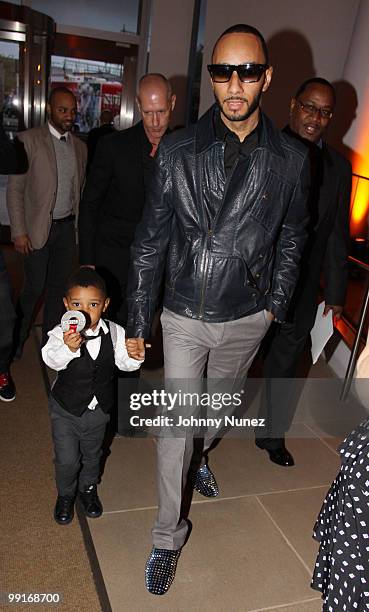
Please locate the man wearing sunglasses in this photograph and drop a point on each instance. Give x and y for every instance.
(225, 218)
(326, 253)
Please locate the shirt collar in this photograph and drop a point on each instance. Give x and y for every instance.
(224, 133)
(55, 132)
(101, 325)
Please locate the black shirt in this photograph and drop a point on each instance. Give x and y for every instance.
(93, 138)
(147, 160)
(233, 146)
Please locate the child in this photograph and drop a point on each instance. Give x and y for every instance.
(82, 395)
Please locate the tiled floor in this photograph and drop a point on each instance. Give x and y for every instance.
(250, 549)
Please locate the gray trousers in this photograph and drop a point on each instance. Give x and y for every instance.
(77, 446)
(228, 350)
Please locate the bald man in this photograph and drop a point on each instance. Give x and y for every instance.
(114, 196)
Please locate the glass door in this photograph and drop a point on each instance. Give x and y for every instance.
(11, 88)
(11, 103)
(26, 37)
(96, 85)
(101, 73)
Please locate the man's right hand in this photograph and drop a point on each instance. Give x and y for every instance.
(136, 348)
(22, 244)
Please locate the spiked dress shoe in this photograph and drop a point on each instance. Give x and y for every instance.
(90, 502)
(160, 570)
(64, 509)
(205, 482)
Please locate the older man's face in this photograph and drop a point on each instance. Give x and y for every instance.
(156, 108)
(311, 112)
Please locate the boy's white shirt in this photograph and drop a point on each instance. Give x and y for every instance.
(57, 355)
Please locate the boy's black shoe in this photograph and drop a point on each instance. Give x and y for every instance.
(64, 509)
(7, 388)
(90, 502)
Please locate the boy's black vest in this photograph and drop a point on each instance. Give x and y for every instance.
(85, 378)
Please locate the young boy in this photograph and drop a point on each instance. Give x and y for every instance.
(82, 395)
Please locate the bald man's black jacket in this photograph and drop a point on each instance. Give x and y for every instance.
(114, 194)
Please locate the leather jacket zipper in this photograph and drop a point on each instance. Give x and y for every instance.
(205, 276)
(210, 234)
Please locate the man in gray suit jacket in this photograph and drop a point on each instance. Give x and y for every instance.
(42, 207)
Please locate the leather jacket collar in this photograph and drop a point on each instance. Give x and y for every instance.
(205, 133)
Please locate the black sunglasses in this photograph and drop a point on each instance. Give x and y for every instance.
(247, 73)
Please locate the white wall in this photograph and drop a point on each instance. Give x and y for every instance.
(170, 47)
(304, 38)
(356, 72)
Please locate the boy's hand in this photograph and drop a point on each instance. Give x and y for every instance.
(270, 315)
(136, 348)
(73, 340)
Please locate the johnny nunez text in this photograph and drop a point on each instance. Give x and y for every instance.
(191, 421)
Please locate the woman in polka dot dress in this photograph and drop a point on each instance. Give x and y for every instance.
(342, 566)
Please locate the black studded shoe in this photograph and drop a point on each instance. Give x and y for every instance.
(90, 502)
(64, 509)
(161, 569)
(205, 482)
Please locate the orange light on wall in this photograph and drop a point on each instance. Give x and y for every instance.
(360, 209)
(360, 192)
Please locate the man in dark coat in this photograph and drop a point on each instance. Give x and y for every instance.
(114, 196)
(224, 224)
(106, 127)
(325, 252)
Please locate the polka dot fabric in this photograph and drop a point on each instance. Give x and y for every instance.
(342, 528)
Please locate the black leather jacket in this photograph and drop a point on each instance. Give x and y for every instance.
(247, 256)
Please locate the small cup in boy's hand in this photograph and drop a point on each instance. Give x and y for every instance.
(73, 340)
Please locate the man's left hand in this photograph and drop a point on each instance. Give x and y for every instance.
(336, 311)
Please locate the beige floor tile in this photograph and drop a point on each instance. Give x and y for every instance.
(331, 432)
(320, 402)
(241, 468)
(295, 514)
(310, 606)
(129, 476)
(129, 479)
(231, 562)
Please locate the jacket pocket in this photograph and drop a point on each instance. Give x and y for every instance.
(178, 269)
(269, 206)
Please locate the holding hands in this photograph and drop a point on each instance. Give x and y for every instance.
(136, 348)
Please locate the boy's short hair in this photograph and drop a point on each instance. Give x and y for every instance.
(86, 277)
